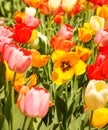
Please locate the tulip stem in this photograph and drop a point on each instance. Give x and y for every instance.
(12, 102)
(31, 124)
(25, 119)
(91, 115)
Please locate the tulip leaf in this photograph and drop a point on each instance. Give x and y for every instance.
(2, 92)
(18, 118)
(7, 107)
(61, 105)
(41, 126)
(3, 123)
(56, 126)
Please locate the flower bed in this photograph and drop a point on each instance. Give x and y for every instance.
(53, 65)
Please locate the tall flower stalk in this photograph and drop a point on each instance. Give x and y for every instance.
(12, 101)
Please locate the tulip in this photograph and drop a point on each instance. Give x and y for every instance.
(54, 4)
(68, 5)
(18, 59)
(60, 43)
(99, 2)
(34, 102)
(44, 9)
(101, 38)
(102, 115)
(31, 22)
(6, 36)
(38, 60)
(30, 11)
(33, 3)
(96, 23)
(22, 33)
(19, 17)
(85, 33)
(66, 31)
(96, 94)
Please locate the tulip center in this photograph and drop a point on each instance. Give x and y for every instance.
(99, 86)
(65, 66)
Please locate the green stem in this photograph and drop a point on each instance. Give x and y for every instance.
(25, 119)
(12, 3)
(12, 102)
(31, 124)
(90, 120)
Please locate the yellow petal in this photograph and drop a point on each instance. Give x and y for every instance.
(80, 68)
(9, 73)
(57, 54)
(100, 117)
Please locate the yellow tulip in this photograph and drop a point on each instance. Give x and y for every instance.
(96, 94)
(100, 117)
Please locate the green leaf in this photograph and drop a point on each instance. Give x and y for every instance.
(56, 126)
(61, 105)
(2, 92)
(18, 118)
(41, 126)
(3, 123)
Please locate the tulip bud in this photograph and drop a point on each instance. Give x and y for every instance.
(96, 94)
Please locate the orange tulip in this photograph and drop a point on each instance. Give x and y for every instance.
(83, 53)
(38, 60)
(85, 33)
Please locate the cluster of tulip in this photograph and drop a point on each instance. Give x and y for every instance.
(54, 66)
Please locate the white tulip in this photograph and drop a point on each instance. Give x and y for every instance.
(97, 23)
(68, 5)
(30, 11)
(96, 94)
(54, 4)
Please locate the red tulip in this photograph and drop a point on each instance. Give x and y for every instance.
(99, 70)
(58, 19)
(18, 58)
(22, 33)
(34, 102)
(99, 2)
(94, 72)
(66, 31)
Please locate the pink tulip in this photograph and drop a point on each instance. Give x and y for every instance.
(6, 36)
(34, 103)
(31, 22)
(101, 38)
(18, 58)
(66, 31)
